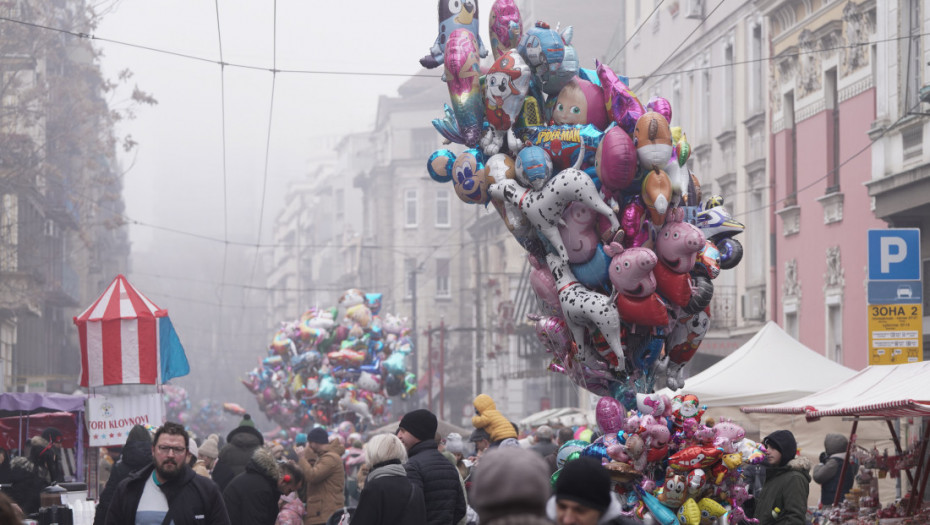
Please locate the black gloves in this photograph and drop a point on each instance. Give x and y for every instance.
(823, 457)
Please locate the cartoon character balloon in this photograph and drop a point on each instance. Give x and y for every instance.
(453, 15)
(506, 85)
(506, 27)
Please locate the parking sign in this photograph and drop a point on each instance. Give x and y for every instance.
(894, 254)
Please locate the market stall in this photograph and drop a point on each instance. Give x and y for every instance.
(885, 392)
(26, 414)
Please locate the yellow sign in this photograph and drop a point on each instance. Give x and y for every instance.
(895, 333)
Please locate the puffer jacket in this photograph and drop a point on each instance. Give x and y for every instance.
(292, 510)
(827, 474)
(134, 456)
(389, 498)
(252, 497)
(324, 482)
(439, 480)
(785, 489)
(236, 454)
(489, 418)
(26, 484)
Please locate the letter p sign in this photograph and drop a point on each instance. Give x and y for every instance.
(894, 255)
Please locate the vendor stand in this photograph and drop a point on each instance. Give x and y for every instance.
(25, 415)
(885, 392)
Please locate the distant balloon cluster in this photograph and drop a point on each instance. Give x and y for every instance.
(595, 186)
(332, 365)
(202, 418)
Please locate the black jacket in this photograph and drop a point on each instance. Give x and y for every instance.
(235, 455)
(429, 470)
(192, 499)
(26, 485)
(252, 497)
(389, 498)
(135, 455)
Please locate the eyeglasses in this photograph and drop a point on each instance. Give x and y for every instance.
(166, 450)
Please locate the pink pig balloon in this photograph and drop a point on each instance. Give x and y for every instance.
(609, 415)
(678, 244)
(631, 270)
(578, 233)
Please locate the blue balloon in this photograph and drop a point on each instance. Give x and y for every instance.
(595, 273)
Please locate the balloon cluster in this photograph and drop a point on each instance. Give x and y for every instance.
(205, 418)
(668, 463)
(595, 186)
(335, 364)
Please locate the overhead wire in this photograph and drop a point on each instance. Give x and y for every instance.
(219, 37)
(636, 32)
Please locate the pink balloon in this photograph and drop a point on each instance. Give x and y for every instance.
(544, 285)
(609, 415)
(616, 160)
(660, 106)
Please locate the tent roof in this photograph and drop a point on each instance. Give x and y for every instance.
(40, 402)
(879, 391)
(120, 300)
(772, 367)
(565, 416)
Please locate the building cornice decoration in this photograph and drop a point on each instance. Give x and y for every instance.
(809, 78)
(792, 286)
(858, 29)
(832, 207)
(790, 220)
(810, 110)
(835, 276)
(856, 88)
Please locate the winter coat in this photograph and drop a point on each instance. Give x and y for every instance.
(827, 474)
(439, 480)
(544, 448)
(26, 485)
(324, 482)
(236, 454)
(6, 474)
(192, 499)
(292, 510)
(489, 418)
(134, 456)
(786, 488)
(45, 457)
(252, 497)
(389, 498)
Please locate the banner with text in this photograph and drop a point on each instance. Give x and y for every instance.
(110, 418)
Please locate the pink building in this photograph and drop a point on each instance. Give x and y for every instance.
(822, 106)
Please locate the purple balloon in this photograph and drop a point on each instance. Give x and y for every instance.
(609, 415)
(660, 106)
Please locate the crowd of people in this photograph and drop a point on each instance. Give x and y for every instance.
(416, 476)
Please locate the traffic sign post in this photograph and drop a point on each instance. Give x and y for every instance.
(895, 297)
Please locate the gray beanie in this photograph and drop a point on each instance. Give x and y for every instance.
(454, 443)
(510, 481)
(210, 447)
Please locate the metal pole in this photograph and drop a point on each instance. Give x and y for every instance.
(479, 325)
(429, 359)
(413, 353)
(442, 367)
(849, 445)
(898, 450)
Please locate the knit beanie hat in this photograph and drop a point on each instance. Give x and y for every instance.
(512, 481)
(585, 482)
(318, 435)
(210, 447)
(247, 421)
(454, 443)
(784, 442)
(421, 423)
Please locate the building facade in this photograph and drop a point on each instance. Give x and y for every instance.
(823, 103)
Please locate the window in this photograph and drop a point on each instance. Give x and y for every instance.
(443, 209)
(410, 278)
(835, 330)
(410, 208)
(729, 99)
(756, 79)
(705, 103)
(340, 205)
(791, 323)
(9, 236)
(791, 167)
(755, 273)
(831, 99)
(423, 142)
(442, 278)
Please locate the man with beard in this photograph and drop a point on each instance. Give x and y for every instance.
(167, 491)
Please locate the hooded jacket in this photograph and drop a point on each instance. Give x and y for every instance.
(324, 482)
(390, 498)
(785, 489)
(252, 497)
(439, 480)
(827, 474)
(292, 510)
(26, 484)
(136, 454)
(489, 418)
(192, 499)
(236, 454)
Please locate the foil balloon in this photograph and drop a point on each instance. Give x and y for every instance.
(689, 513)
(543, 284)
(543, 48)
(636, 230)
(453, 15)
(505, 88)
(653, 140)
(467, 171)
(657, 195)
(533, 167)
(580, 102)
(463, 120)
(631, 270)
(661, 106)
(615, 161)
(565, 143)
(609, 414)
(505, 27)
(623, 106)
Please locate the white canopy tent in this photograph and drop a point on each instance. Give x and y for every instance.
(772, 367)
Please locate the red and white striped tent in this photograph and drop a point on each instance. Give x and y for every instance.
(124, 337)
(877, 391)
